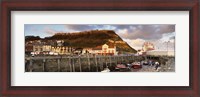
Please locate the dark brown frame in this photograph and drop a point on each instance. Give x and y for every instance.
(193, 90)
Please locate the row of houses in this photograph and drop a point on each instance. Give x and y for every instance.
(57, 48)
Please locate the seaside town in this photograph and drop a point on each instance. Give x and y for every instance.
(58, 48)
(75, 52)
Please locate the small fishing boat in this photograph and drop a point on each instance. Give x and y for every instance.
(136, 65)
(120, 66)
(106, 70)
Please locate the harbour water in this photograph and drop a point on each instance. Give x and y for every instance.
(97, 63)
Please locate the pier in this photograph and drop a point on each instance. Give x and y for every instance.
(86, 63)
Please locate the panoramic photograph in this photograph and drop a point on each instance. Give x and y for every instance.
(99, 47)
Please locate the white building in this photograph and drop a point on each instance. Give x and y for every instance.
(41, 48)
(106, 49)
(61, 49)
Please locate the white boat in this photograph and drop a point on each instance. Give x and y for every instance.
(106, 70)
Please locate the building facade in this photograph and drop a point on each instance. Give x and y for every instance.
(106, 49)
(57, 48)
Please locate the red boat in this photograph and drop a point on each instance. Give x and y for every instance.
(121, 66)
(136, 65)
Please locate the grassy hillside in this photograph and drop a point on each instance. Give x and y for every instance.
(93, 38)
(32, 38)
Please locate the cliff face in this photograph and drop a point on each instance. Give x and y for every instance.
(93, 38)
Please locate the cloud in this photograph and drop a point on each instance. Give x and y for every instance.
(148, 32)
(79, 27)
(49, 31)
(86, 27)
(95, 27)
(135, 43)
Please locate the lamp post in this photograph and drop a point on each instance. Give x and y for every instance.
(167, 47)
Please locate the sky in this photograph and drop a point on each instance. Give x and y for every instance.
(161, 35)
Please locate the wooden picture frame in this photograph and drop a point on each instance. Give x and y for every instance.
(193, 90)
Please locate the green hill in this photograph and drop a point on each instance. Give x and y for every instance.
(93, 38)
(32, 38)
